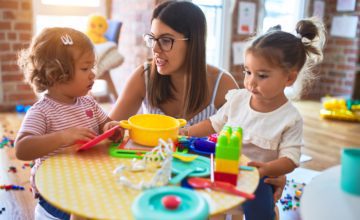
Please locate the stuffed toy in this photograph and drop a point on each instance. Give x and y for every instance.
(96, 29)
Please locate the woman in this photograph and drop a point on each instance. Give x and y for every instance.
(177, 82)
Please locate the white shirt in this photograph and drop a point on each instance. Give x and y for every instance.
(47, 116)
(266, 136)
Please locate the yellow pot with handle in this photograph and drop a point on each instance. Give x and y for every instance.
(146, 129)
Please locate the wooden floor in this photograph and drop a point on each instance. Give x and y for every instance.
(324, 139)
(323, 142)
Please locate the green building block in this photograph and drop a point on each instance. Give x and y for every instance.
(229, 144)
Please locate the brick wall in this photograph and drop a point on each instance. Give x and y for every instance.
(15, 33)
(341, 58)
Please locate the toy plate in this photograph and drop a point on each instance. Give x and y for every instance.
(148, 205)
(193, 149)
(179, 166)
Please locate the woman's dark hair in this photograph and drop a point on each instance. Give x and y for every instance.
(292, 53)
(188, 19)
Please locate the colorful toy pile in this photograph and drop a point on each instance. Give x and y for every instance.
(340, 109)
(291, 201)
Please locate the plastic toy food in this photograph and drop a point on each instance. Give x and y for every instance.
(171, 202)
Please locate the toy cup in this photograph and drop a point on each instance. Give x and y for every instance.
(350, 170)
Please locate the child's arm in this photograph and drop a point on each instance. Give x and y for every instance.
(119, 133)
(201, 129)
(29, 146)
(277, 167)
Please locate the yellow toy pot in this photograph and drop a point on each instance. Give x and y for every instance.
(146, 129)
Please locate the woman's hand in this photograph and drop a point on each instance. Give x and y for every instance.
(279, 185)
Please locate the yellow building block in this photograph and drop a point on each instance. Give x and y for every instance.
(226, 166)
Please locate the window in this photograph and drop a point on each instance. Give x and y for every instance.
(284, 12)
(218, 24)
(65, 13)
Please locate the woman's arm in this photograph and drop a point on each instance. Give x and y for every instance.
(131, 97)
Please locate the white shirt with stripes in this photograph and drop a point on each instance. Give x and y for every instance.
(47, 116)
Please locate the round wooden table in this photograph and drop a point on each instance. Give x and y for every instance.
(83, 184)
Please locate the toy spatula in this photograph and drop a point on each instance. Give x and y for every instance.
(99, 138)
(201, 183)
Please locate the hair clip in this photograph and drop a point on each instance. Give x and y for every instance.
(66, 39)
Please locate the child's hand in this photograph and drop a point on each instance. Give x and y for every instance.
(118, 134)
(184, 131)
(72, 135)
(278, 184)
(260, 165)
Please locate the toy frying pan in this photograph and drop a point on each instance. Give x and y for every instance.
(99, 138)
(201, 162)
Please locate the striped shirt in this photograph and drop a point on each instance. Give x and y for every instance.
(48, 116)
(204, 114)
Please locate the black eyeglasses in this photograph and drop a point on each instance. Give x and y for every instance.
(165, 43)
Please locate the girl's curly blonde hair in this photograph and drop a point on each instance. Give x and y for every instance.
(49, 60)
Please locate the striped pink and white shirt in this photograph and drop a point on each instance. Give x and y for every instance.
(48, 116)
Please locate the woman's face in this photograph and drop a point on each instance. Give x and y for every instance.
(168, 61)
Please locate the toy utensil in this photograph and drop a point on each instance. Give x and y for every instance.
(177, 179)
(178, 166)
(201, 183)
(99, 138)
(185, 157)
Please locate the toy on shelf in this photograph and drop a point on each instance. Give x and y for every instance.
(227, 155)
(22, 108)
(97, 26)
(340, 109)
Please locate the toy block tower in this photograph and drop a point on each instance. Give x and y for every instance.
(227, 155)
